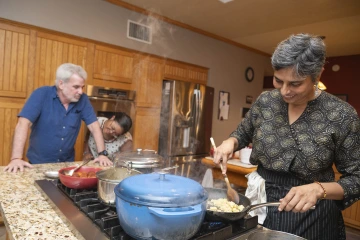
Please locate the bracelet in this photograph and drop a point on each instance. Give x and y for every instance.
(322, 189)
(15, 158)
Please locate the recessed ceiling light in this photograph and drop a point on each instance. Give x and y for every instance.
(225, 1)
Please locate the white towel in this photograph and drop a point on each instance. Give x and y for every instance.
(208, 180)
(256, 193)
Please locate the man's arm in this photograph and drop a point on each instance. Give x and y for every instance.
(20, 136)
(100, 144)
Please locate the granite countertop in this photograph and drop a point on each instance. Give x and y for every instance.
(26, 212)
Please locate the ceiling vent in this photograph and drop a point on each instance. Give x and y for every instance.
(139, 32)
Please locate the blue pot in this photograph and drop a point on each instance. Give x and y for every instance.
(160, 206)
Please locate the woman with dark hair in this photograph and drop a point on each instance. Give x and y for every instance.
(298, 133)
(116, 135)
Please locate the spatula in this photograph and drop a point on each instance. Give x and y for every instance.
(232, 195)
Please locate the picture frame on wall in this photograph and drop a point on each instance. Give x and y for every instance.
(343, 97)
(224, 105)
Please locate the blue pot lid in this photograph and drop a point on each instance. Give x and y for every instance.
(161, 190)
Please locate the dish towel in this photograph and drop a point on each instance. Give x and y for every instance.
(256, 193)
(208, 180)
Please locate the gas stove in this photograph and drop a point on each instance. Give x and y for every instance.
(91, 219)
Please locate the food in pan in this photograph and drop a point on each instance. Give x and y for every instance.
(223, 205)
(90, 174)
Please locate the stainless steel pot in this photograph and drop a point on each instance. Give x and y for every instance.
(145, 161)
(108, 179)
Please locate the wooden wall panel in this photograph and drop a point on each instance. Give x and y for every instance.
(8, 121)
(112, 64)
(147, 125)
(185, 72)
(14, 50)
(148, 78)
(52, 52)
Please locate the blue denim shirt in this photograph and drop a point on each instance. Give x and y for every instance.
(54, 129)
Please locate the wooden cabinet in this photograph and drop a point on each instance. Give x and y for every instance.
(14, 57)
(185, 72)
(51, 52)
(146, 129)
(351, 215)
(148, 78)
(112, 66)
(9, 109)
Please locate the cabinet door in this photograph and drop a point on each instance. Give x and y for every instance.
(148, 77)
(51, 52)
(14, 56)
(113, 65)
(185, 72)
(9, 109)
(146, 129)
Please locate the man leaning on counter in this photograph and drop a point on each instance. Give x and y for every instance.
(54, 114)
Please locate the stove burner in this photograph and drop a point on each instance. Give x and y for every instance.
(106, 218)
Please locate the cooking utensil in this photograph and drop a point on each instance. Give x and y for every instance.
(232, 195)
(216, 193)
(79, 182)
(52, 174)
(71, 171)
(146, 203)
(108, 179)
(273, 235)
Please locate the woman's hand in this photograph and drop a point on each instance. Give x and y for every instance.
(103, 161)
(224, 152)
(17, 164)
(301, 198)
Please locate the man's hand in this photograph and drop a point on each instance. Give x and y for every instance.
(103, 161)
(17, 164)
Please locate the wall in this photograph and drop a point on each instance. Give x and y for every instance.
(106, 22)
(344, 81)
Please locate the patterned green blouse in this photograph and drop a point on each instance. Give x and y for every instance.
(327, 132)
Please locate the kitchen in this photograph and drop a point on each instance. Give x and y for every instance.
(223, 66)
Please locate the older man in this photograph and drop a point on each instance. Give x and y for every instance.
(54, 114)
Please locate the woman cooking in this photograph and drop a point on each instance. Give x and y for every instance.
(298, 132)
(116, 136)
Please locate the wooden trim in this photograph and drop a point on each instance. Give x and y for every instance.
(112, 78)
(112, 84)
(112, 50)
(13, 94)
(61, 39)
(183, 25)
(14, 28)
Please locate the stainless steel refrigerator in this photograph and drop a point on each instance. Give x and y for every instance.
(186, 119)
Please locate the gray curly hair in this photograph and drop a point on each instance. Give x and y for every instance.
(304, 53)
(66, 70)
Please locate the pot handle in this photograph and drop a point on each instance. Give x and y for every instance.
(175, 212)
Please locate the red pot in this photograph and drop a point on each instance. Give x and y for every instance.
(79, 182)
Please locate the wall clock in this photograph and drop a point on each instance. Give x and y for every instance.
(249, 74)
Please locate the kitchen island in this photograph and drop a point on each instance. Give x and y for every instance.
(26, 212)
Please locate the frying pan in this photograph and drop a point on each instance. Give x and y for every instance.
(79, 182)
(216, 193)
